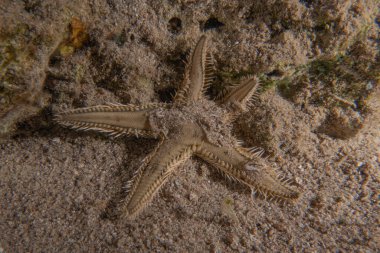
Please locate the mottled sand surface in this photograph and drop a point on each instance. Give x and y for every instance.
(317, 117)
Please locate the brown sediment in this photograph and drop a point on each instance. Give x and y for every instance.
(59, 188)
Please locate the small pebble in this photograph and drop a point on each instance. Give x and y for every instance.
(56, 140)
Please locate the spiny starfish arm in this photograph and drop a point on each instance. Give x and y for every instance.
(239, 96)
(197, 72)
(114, 119)
(153, 173)
(254, 173)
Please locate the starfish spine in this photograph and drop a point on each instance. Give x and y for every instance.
(153, 174)
(114, 119)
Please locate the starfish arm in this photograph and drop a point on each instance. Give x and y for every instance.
(153, 173)
(114, 119)
(239, 96)
(196, 74)
(247, 169)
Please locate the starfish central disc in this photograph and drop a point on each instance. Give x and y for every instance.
(210, 121)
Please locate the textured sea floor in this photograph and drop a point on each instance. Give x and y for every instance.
(61, 190)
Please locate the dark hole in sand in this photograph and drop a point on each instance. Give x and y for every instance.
(275, 73)
(212, 23)
(307, 3)
(175, 25)
(377, 21)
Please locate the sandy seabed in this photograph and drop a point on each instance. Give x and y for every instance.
(60, 189)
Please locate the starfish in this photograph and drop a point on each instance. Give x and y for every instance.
(191, 125)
